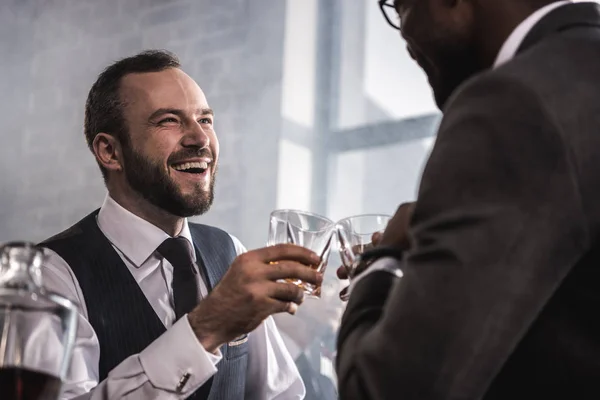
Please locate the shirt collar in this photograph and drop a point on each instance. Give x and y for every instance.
(135, 237)
(514, 40)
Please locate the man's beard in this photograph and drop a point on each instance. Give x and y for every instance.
(448, 58)
(456, 64)
(153, 183)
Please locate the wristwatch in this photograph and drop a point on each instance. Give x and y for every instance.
(367, 258)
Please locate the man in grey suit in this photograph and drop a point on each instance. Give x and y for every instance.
(501, 284)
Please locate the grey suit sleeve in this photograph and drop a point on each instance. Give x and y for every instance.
(498, 225)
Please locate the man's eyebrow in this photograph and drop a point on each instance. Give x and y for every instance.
(206, 111)
(180, 113)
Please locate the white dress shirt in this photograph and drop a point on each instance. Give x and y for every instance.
(507, 52)
(156, 371)
(514, 40)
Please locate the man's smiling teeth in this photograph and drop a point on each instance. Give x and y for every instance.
(191, 165)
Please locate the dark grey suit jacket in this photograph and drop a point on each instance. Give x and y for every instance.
(500, 297)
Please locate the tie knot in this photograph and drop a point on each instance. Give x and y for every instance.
(178, 251)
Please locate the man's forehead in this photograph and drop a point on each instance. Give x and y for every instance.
(155, 87)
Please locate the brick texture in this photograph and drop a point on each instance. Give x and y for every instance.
(52, 51)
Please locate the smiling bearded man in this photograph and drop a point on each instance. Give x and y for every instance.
(169, 309)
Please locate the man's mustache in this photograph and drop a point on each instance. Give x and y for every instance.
(190, 153)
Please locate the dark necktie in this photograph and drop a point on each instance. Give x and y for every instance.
(178, 252)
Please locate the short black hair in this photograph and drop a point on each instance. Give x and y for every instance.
(104, 106)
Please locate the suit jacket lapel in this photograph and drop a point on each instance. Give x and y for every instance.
(561, 19)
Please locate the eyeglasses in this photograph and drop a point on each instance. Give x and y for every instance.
(390, 14)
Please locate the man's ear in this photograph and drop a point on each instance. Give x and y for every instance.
(108, 152)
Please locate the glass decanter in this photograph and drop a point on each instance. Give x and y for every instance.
(37, 327)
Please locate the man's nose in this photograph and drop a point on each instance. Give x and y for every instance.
(196, 136)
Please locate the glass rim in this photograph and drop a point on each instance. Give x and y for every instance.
(363, 216)
(329, 227)
(308, 213)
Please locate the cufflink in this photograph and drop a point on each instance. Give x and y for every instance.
(184, 379)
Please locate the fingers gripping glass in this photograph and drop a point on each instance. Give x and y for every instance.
(303, 229)
(355, 237)
(389, 12)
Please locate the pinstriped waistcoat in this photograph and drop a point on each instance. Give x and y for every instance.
(119, 312)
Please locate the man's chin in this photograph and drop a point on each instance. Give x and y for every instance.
(440, 100)
(185, 200)
(188, 212)
(440, 95)
(182, 206)
(446, 86)
(195, 206)
(443, 93)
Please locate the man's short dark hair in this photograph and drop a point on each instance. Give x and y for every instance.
(104, 106)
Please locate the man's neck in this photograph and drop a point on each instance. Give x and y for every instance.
(137, 205)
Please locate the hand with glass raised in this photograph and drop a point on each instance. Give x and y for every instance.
(395, 236)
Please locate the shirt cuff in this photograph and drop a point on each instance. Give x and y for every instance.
(387, 264)
(177, 362)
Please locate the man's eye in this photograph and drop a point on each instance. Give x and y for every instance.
(205, 121)
(169, 120)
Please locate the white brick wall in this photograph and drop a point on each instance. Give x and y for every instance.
(50, 54)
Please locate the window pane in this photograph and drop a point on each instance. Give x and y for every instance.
(299, 62)
(376, 180)
(294, 176)
(378, 79)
